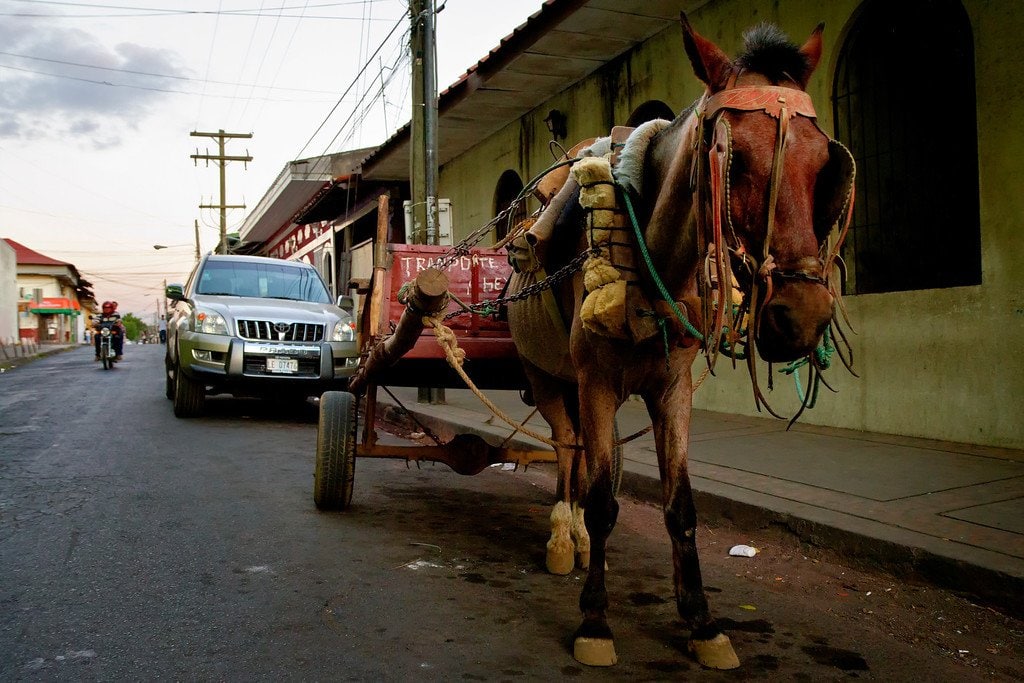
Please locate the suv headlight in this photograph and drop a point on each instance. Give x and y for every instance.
(344, 331)
(209, 322)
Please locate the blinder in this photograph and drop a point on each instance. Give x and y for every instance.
(834, 187)
(833, 191)
(718, 243)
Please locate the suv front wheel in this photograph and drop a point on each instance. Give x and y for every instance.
(168, 377)
(189, 395)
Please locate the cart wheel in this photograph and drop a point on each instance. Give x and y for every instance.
(335, 451)
(616, 460)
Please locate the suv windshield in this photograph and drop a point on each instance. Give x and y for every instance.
(264, 280)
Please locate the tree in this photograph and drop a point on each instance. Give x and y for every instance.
(132, 326)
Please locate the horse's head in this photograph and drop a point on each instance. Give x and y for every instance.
(773, 184)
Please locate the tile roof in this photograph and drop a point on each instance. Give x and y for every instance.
(29, 256)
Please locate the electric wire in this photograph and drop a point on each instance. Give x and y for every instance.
(337, 104)
(156, 75)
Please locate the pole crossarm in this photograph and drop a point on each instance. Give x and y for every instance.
(222, 160)
(220, 134)
(220, 157)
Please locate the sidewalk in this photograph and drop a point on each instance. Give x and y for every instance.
(11, 356)
(949, 514)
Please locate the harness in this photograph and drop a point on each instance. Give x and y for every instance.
(718, 248)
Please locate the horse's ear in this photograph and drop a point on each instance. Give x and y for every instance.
(811, 51)
(710, 64)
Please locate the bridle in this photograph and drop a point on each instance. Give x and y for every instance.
(718, 249)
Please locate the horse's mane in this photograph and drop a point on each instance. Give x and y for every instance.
(769, 52)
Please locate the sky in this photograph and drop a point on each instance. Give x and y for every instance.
(98, 100)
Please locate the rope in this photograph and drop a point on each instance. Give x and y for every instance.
(456, 356)
(822, 360)
(654, 274)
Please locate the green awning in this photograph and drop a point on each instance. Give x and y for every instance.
(53, 311)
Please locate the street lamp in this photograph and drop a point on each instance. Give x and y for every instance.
(168, 246)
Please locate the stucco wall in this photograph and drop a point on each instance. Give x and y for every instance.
(8, 292)
(940, 364)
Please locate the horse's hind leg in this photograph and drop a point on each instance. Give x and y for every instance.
(593, 643)
(670, 413)
(556, 402)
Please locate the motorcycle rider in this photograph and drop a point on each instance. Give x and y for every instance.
(110, 315)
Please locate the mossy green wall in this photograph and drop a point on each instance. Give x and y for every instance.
(942, 364)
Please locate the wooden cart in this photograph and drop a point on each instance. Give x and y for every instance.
(491, 362)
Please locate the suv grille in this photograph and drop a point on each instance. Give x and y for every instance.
(266, 330)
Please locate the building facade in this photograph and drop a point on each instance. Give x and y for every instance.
(51, 297)
(8, 293)
(916, 89)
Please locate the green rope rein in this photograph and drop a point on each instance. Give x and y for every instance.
(822, 359)
(654, 274)
(822, 354)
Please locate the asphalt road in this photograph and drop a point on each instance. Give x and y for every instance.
(137, 546)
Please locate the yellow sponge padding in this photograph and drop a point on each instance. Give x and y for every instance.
(592, 169)
(604, 310)
(597, 272)
(598, 197)
(606, 218)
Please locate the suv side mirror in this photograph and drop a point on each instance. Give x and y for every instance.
(346, 303)
(175, 292)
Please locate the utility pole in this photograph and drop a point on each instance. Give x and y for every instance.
(423, 171)
(198, 256)
(423, 159)
(222, 159)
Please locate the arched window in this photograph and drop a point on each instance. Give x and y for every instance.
(509, 187)
(649, 111)
(904, 102)
(328, 271)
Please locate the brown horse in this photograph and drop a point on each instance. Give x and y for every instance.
(744, 172)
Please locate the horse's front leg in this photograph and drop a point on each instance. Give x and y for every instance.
(670, 414)
(556, 401)
(593, 644)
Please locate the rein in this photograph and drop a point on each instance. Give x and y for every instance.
(710, 182)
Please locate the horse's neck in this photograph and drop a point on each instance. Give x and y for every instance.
(671, 230)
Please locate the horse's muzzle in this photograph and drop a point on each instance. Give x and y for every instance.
(793, 320)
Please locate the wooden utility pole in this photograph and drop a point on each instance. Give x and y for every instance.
(198, 255)
(222, 159)
(423, 159)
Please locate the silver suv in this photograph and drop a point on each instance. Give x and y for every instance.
(253, 326)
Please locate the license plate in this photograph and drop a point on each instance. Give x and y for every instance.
(284, 365)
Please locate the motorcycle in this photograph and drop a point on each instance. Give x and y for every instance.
(107, 353)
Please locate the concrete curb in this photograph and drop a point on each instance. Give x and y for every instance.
(998, 589)
(8, 364)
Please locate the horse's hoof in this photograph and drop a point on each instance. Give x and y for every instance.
(583, 560)
(559, 562)
(595, 651)
(716, 653)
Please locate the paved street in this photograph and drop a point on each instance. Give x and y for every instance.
(136, 546)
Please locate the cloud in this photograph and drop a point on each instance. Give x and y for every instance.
(46, 99)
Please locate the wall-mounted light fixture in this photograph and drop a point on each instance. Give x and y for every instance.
(557, 124)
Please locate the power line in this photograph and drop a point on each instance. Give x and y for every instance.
(140, 87)
(136, 12)
(155, 75)
(351, 85)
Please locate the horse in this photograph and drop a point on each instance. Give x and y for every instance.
(744, 188)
